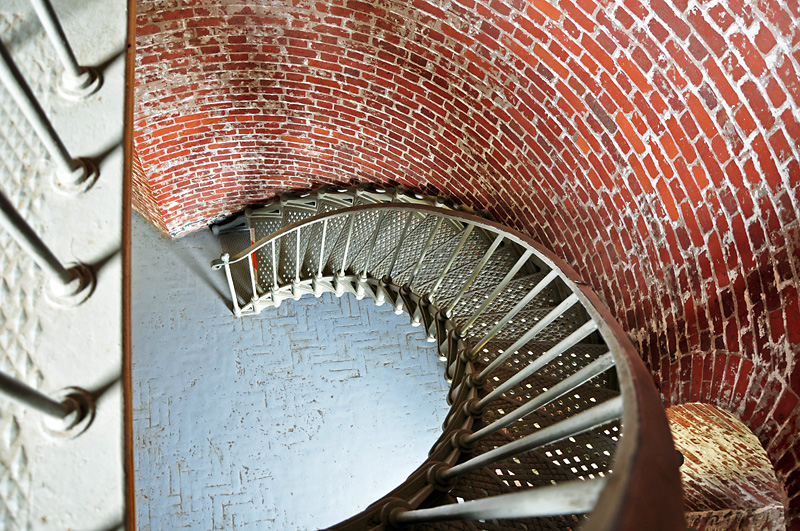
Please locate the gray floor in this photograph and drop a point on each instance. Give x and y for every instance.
(293, 419)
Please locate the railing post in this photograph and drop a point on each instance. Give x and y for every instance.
(72, 175)
(66, 286)
(226, 259)
(77, 82)
(73, 413)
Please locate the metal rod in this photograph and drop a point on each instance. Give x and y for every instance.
(573, 497)
(49, 19)
(347, 242)
(322, 246)
(252, 277)
(498, 289)
(425, 249)
(226, 262)
(274, 267)
(402, 239)
(478, 268)
(461, 242)
(569, 341)
(584, 421)
(297, 256)
(12, 79)
(30, 242)
(29, 396)
(537, 289)
(598, 366)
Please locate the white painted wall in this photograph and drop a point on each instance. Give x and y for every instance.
(293, 419)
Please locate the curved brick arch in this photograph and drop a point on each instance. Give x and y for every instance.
(755, 394)
(652, 144)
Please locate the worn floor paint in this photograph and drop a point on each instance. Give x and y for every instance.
(293, 419)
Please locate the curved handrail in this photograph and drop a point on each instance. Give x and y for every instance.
(645, 484)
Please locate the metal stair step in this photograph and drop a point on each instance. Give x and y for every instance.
(565, 324)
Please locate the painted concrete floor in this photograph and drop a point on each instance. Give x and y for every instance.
(293, 419)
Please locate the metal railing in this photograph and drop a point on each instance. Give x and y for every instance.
(66, 284)
(539, 367)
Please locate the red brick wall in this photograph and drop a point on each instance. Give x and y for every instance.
(652, 144)
(143, 200)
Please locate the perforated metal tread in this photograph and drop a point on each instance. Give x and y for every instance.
(514, 292)
(524, 321)
(570, 361)
(289, 245)
(487, 280)
(231, 243)
(434, 261)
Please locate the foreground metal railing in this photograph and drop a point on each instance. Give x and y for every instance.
(548, 394)
(66, 285)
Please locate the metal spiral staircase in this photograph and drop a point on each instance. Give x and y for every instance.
(555, 422)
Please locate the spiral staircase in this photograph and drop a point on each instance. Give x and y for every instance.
(554, 424)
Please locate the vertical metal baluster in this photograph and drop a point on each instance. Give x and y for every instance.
(252, 276)
(72, 175)
(425, 249)
(322, 247)
(399, 244)
(478, 268)
(274, 268)
(77, 82)
(372, 241)
(347, 242)
(297, 256)
(226, 263)
(461, 242)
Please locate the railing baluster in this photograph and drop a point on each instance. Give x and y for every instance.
(347, 242)
(297, 256)
(72, 175)
(573, 497)
(497, 290)
(478, 268)
(274, 267)
(402, 239)
(583, 421)
(234, 298)
(537, 289)
(31, 397)
(461, 242)
(598, 366)
(77, 82)
(322, 247)
(252, 276)
(425, 249)
(68, 286)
